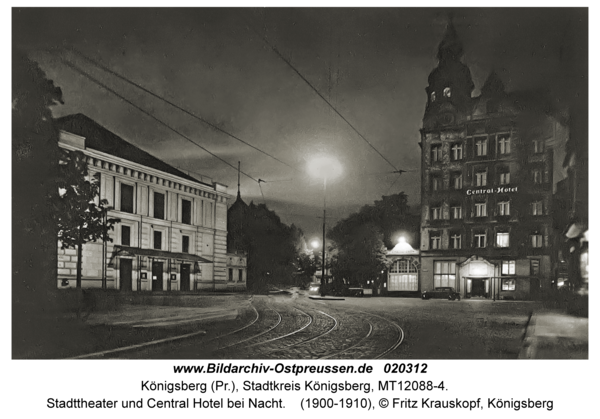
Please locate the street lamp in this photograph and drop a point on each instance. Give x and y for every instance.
(325, 167)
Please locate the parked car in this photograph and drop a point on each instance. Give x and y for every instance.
(331, 289)
(441, 292)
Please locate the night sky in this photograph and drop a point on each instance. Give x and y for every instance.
(370, 64)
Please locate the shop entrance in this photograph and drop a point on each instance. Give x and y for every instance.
(125, 277)
(157, 276)
(185, 277)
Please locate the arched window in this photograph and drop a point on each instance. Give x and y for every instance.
(403, 275)
(447, 92)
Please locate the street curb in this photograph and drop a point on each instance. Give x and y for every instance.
(140, 345)
(312, 297)
(528, 348)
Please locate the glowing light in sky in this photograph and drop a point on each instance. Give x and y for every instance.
(324, 167)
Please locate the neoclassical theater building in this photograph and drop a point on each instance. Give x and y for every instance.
(489, 168)
(173, 229)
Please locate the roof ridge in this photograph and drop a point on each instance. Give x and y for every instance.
(115, 145)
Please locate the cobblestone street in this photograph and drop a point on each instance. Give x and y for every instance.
(292, 326)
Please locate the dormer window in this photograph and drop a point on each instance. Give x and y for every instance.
(447, 92)
(432, 96)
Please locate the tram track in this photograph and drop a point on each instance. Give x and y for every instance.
(367, 347)
(310, 320)
(151, 343)
(319, 332)
(257, 335)
(311, 339)
(353, 346)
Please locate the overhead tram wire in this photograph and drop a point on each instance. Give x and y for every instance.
(121, 77)
(276, 51)
(193, 115)
(99, 83)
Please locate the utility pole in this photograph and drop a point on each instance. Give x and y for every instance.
(323, 282)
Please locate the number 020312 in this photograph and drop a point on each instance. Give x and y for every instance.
(405, 368)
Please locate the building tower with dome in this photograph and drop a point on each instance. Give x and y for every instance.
(489, 167)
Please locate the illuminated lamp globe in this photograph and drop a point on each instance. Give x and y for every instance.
(324, 167)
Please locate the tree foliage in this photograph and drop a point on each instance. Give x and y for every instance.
(361, 239)
(277, 252)
(34, 164)
(82, 217)
(360, 253)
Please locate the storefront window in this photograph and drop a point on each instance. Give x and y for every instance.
(509, 284)
(444, 274)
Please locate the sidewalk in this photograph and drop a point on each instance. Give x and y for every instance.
(160, 316)
(553, 334)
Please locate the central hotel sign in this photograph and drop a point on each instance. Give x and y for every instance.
(499, 189)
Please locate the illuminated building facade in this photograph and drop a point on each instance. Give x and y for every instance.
(404, 270)
(488, 169)
(173, 230)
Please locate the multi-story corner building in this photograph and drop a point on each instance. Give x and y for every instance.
(489, 166)
(173, 230)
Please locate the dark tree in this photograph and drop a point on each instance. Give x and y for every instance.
(276, 252)
(82, 216)
(360, 253)
(34, 163)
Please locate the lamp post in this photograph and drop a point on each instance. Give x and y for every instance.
(324, 167)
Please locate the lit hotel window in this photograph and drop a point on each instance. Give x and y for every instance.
(480, 241)
(436, 153)
(508, 267)
(457, 151)
(444, 274)
(536, 241)
(455, 241)
(458, 181)
(456, 213)
(436, 242)
(504, 178)
(502, 239)
(504, 144)
(480, 209)
(536, 208)
(436, 213)
(508, 284)
(504, 208)
(481, 178)
(481, 146)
